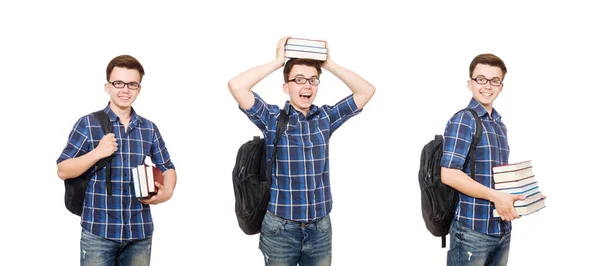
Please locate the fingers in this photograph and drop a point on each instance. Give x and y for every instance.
(283, 40)
(112, 140)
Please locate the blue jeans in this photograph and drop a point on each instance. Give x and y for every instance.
(284, 242)
(469, 247)
(99, 251)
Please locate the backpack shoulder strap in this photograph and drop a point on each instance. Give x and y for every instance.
(476, 139)
(282, 122)
(107, 128)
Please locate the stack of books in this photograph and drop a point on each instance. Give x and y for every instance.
(305, 48)
(519, 179)
(144, 177)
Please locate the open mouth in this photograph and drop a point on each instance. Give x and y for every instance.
(305, 95)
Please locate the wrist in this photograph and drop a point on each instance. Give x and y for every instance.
(95, 155)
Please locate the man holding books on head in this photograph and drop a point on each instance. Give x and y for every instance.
(116, 226)
(296, 228)
(476, 237)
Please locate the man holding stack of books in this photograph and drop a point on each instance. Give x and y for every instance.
(296, 228)
(476, 236)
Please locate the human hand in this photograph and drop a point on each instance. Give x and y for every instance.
(280, 53)
(107, 146)
(161, 196)
(504, 204)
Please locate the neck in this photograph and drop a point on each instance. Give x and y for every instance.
(303, 111)
(123, 113)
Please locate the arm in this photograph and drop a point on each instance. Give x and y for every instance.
(74, 167)
(361, 89)
(241, 85)
(504, 202)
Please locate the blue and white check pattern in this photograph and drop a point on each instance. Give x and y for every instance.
(491, 151)
(120, 217)
(300, 188)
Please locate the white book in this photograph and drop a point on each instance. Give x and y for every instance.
(527, 209)
(306, 42)
(136, 182)
(151, 186)
(143, 180)
(513, 175)
(525, 189)
(514, 184)
(306, 55)
(531, 198)
(292, 47)
(511, 167)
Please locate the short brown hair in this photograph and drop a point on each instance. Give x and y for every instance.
(300, 61)
(487, 59)
(125, 61)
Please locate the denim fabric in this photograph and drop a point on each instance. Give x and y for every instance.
(284, 242)
(99, 251)
(471, 248)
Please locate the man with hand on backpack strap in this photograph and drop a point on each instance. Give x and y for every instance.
(300, 199)
(476, 237)
(116, 226)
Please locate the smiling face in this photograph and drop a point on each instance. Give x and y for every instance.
(485, 94)
(122, 98)
(301, 95)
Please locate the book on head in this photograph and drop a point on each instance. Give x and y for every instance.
(305, 48)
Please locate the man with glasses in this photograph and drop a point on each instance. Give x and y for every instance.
(116, 226)
(296, 228)
(476, 237)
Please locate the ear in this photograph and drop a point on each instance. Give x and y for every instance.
(500, 88)
(106, 89)
(285, 88)
(469, 85)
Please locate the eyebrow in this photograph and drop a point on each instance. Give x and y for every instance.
(302, 76)
(486, 77)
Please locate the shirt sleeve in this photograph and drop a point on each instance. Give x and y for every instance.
(457, 140)
(77, 143)
(262, 114)
(159, 153)
(341, 112)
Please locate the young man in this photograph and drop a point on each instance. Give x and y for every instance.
(476, 238)
(296, 228)
(117, 229)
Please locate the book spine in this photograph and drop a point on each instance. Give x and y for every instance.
(306, 55)
(306, 42)
(293, 47)
(143, 181)
(150, 174)
(136, 182)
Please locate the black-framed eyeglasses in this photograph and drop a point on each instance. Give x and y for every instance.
(481, 80)
(303, 80)
(120, 84)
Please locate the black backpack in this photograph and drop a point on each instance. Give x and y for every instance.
(75, 187)
(252, 179)
(438, 201)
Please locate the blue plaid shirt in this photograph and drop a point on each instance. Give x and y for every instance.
(120, 217)
(491, 151)
(300, 188)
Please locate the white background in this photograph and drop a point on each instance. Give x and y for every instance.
(53, 57)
